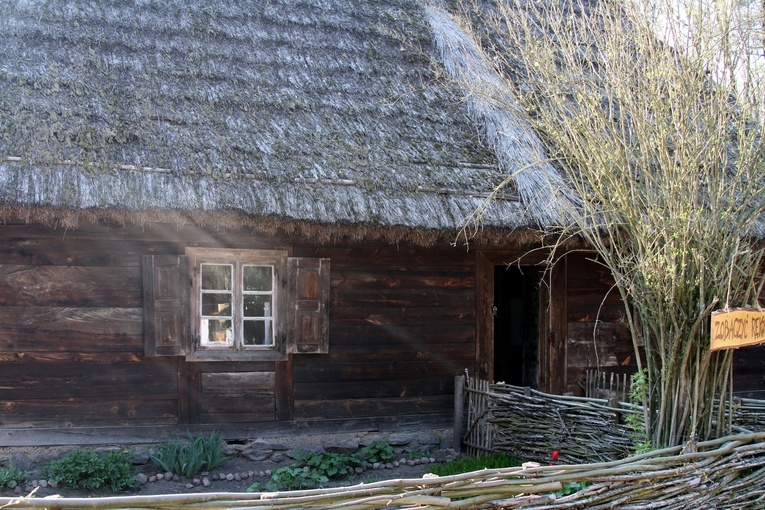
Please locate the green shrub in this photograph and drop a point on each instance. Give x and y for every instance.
(10, 477)
(93, 470)
(189, 457)
(314, 469)
(494, 460)
(377, 451)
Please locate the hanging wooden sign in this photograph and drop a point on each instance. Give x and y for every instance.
(737, 328)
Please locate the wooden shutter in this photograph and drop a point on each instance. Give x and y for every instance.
(166, 291)
(308, 304)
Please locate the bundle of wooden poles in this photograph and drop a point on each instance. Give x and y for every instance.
(725, 473)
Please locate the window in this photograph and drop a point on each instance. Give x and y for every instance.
(235, 299)
(236, 303)
(214, 304)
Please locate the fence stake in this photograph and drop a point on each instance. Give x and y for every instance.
(459, 409)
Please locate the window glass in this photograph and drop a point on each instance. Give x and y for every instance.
(257, 332)
(216, 276)
(257, 278)
(217, 332)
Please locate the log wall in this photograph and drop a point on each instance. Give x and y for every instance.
(72, 353)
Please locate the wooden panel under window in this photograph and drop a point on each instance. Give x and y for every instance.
(236, 397)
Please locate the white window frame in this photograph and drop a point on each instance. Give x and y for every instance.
(237, 259)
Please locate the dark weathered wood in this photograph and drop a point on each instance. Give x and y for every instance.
(386, 298)
(374, 389)
(308, 283)
(310, 371)
(167, 305)
(96, 324)
(76, 412)
(69, 250)
(315, 409)
(558, 332)
(346, 353)
(454, 333)
(26, 285)
(459, 412)
(484, 324)
(401, 316)
(86, 379)
(284, 389)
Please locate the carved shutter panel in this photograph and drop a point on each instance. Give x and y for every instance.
(166, 305)
(309, 304)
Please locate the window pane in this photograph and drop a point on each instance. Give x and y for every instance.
(257, 332)
(257, 278)
(216, 276)
(216, 304)
(217, 332)
(257, 305)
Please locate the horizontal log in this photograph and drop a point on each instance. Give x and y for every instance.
(155, 380)
(74, 412)
(310, 370)
(228, 383)
(354, 408)
(389, 279)
(229, 418)
(370, 334)
(70, 357)
(374, 389)
(70, 286)
(71, 251)
(106, 322)
(244, 403)
(415, 297)
(402, 316)
(426, 352)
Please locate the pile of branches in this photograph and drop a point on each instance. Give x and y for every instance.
(724, 473)
(530, 425)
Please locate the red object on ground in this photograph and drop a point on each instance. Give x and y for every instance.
(554, 455)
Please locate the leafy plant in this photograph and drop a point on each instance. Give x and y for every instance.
(571, 488)
(641, 443)
(189, 457)
(93, 470)
(294, 476)
(10, 477)
(494, 460)
(418, 454)
(377, 451)
(313, 469)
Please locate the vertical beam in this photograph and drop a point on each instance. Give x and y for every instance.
(484, 327)
(459, 411)
(284, 392)
(557, 338)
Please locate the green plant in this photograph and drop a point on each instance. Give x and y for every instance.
(571, 488)
(329, 464)
(294, 476)
(417, 454)
(641, 443)
(10, 477)
(189, 457)
(377, 451)
(494, 460)
(93, 470)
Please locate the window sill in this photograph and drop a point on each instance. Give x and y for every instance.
(232, 355)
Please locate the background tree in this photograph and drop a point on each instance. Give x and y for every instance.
(654, 117)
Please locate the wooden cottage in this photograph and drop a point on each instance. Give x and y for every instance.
(251, 215)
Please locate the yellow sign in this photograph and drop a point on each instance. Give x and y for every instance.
(737, 328)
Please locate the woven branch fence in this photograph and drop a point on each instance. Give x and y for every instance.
(725, 473)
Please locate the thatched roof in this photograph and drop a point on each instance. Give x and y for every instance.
(331, 112)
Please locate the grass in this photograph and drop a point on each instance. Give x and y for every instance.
(494, 460)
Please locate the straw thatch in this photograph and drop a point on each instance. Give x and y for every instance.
(324, 111)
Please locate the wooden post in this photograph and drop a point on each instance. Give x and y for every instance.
(459, 409)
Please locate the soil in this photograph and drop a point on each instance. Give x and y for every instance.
(244, 471)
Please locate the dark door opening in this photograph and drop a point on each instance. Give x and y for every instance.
(516, 325)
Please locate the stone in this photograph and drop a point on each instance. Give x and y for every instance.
(43, 483)
(196, 481)
(278, 457)
(257, 455)
(160, 476)
(244, 475)
(175, 478)
(399, 439)
(376, 465)
(169, 476)
(237, 477)
(206, 481)
(230, 477)
(348, 446)
(189, 485)
(153, 478)
(142, 478)
(396, 463)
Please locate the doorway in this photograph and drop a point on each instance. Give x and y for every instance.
(516, 324)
